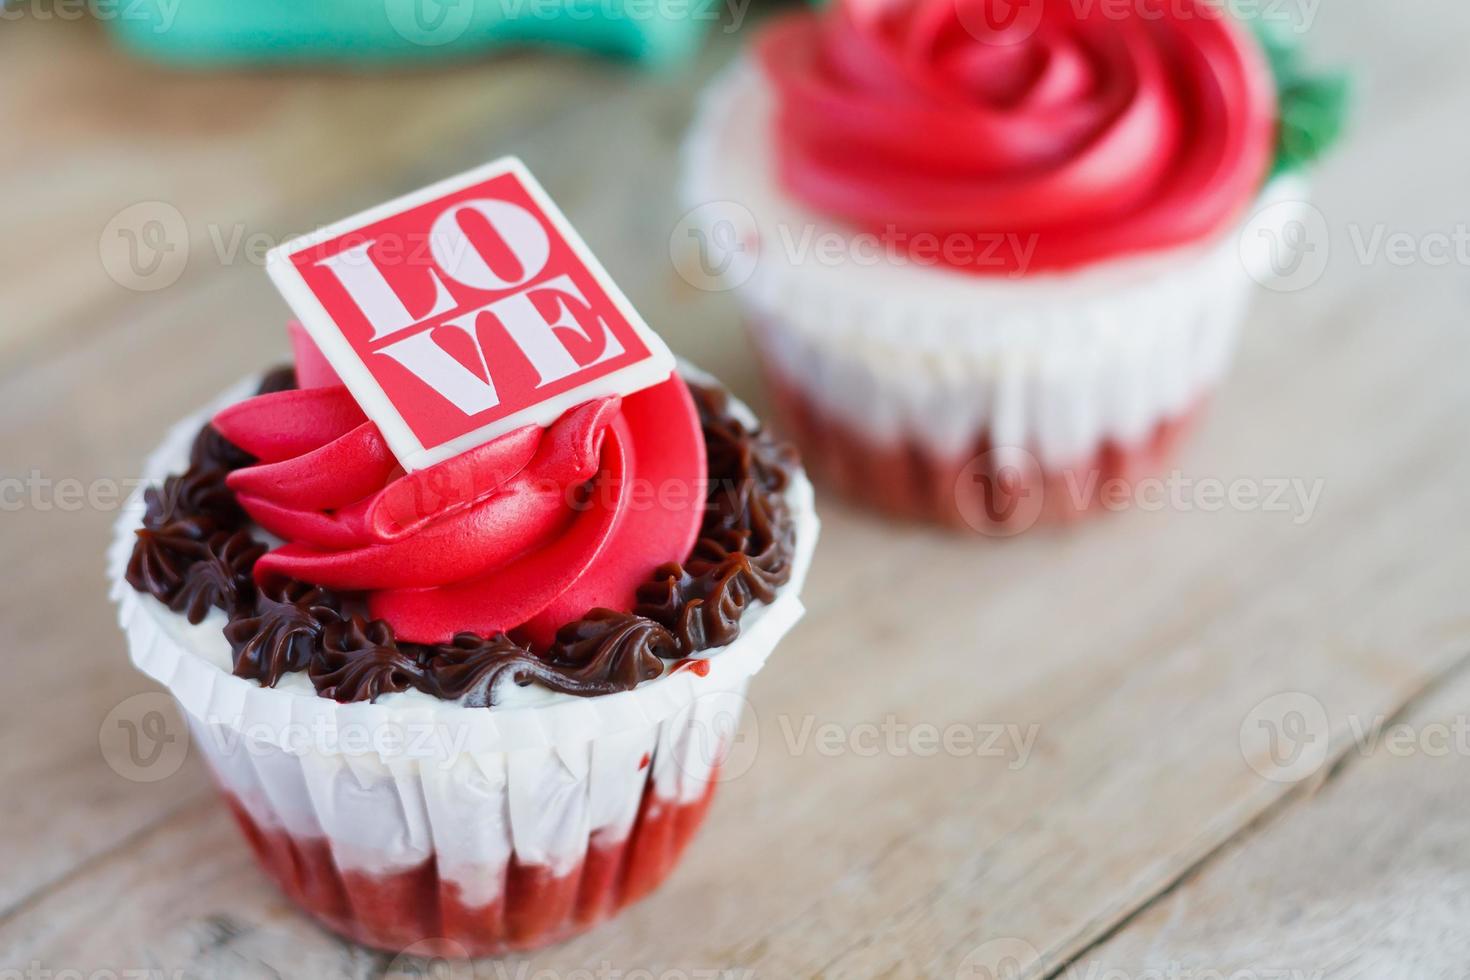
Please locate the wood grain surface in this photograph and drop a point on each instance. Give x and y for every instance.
(1166, 763)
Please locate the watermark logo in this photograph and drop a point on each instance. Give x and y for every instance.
(1001, 23)
(1286, 737)
(430, 23)
(445, 959)
(1285, 246)
(39, 970)
(998, 959)
(723, 739)
(435, 743)
(714, 246)
(144, 739)
(159, 13)
(1010, 22)
(1010, 743)
(717, 245)
(145, 247)
(431, 959)
(1294, 498)
(1173, 969)
(1399, 249)
(1001, 493)
(42, 493)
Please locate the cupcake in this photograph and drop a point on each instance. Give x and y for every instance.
(477, 707)
(990, 254)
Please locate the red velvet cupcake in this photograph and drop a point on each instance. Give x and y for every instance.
(991, 252)
(487, 728)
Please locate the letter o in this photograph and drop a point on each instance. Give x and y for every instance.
(516, 226)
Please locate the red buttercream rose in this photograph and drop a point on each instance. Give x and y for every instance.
(524, 533)
(1084, 129)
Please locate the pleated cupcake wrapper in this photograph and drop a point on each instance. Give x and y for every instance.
(539, 807)
(1057, 364)
(391, 784)
(423, 911)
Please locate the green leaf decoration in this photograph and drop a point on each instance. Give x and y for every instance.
(1313, 105)
(1313, 111)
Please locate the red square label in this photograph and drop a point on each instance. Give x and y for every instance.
(465, 310)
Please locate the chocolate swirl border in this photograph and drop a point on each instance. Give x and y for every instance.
(194, 552)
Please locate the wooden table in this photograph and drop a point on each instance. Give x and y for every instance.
(1129, 820)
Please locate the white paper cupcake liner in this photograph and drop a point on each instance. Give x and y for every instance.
(1058, 364)
(386, 787)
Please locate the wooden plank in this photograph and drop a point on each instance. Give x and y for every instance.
(1369, 878)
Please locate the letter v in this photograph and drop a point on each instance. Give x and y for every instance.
(435, 367)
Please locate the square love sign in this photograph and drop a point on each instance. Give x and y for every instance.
(465, 310)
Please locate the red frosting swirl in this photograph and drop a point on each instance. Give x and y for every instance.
(1084, 130)
(523, 534)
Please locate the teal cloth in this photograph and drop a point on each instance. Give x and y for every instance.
(211, 33)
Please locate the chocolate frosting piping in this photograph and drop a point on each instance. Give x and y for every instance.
(221, 578)
(194, 551)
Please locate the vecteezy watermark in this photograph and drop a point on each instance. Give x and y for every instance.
(430, 743)
(715, 246)
(1002, 23)
(722, 738)
(1175, 969)
(144, 739)
(435, 23)
(435, 958)
(1378, 244)
(1010, 22)
(430, 23)
(1004, 492)
(1286, 738)
(39, 492)
(145, 247)
(893, 737)
(159, 13)
(1298, 14)
(1005, 958)
(1001, 492)
(1007, 253)
(1286, 245)
(36, 970)
(1294, 497)
(1434, 740)
(447, 959)
(719, 246)
(444, 492)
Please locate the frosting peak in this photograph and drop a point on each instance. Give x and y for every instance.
(522, 534)
(1082, 131)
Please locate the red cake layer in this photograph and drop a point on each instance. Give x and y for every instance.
(536, 907)
(982, 490)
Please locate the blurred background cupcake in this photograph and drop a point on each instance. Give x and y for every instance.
(995, 256)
